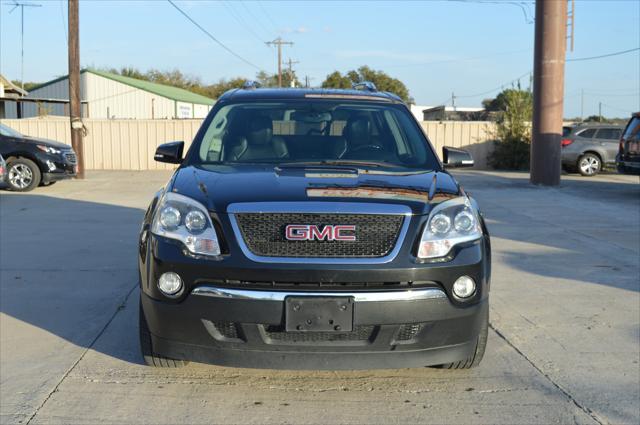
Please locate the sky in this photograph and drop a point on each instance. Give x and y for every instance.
(471, 48)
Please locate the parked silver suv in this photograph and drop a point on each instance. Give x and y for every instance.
(588, 148)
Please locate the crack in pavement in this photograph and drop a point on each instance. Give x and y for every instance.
(119, 307)
(565, 392)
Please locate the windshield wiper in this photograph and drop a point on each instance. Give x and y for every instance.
(335, 162)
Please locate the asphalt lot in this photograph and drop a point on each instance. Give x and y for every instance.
(564, 344)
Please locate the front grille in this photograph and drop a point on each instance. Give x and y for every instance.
(264, 234)
(70, 157)
(333, 286)
(277, 334)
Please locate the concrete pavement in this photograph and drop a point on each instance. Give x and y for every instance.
(563, 347)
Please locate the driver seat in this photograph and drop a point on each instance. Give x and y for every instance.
(359, 140)
(258, 142)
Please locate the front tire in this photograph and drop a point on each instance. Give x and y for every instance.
(146, 347)
(589, 164)
(478, 354)
(23, 175)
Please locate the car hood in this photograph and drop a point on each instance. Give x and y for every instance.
(218, 186)
(38, 141)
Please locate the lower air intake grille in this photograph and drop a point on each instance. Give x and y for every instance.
(264, 234)
(359, 333)
(227, 329)
(408, 331)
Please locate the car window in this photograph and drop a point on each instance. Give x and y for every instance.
(632, 132)
(314, 131)
(588, 133)
(8, 131)
(609, 133)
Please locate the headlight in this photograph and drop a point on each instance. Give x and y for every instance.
(187, 221)
(48, 149)
(450, 223)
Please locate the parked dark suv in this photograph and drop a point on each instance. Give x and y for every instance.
(314, 229)
(628, 159)
(32, 162)
(588, 148)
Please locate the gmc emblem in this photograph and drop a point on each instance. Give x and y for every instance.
(311, 232)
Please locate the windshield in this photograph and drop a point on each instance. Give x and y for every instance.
(8, 132)
(302, 133)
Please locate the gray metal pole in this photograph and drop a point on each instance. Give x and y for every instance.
(548, 91)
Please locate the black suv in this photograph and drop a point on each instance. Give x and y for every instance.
(628, 158)
(32, 162)
(313, 229)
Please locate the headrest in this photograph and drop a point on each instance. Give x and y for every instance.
(358, 130)
(260, 130)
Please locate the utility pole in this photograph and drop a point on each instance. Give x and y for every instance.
(291, 79)
(548, 91)
(453, 101)
(279, 42)
(75, 114)
(306, 81)
(22, 5)
(599, 111)
(582, 105)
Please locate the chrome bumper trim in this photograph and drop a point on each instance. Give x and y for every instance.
(258, 295)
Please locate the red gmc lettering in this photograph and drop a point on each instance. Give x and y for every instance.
(310, 232)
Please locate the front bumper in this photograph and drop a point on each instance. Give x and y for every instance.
(57, 167)
(227, 316)
(628, 167)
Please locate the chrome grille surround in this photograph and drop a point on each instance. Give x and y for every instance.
(333, 208)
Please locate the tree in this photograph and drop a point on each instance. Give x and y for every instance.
(28, 85)
(271, 80)
(591, 118)
(382, 80)
(336, 80)
(218, 89)
(513, 129)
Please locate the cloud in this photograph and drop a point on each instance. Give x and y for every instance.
(299, 30)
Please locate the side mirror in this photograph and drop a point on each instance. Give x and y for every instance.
(454, 158)
(169, 152)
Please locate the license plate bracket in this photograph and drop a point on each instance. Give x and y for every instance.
(319, 314)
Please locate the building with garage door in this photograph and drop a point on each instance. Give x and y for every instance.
(105, 95)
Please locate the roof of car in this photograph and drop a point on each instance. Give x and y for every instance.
(596, 125)
(245, 94)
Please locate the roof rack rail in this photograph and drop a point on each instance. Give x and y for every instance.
(365, 85)
(250, 85)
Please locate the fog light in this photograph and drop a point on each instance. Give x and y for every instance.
(464, 287)
(170, 284)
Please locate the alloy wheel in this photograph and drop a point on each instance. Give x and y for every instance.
(20, 176)
(589, 165)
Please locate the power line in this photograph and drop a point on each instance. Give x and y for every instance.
(266, 13)
(241, 21)
(603, 56)
(616, 108)
(472, 58)
(212, 37)
(496, 88)
(249, 12)
(529, 17)
(64, 23)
